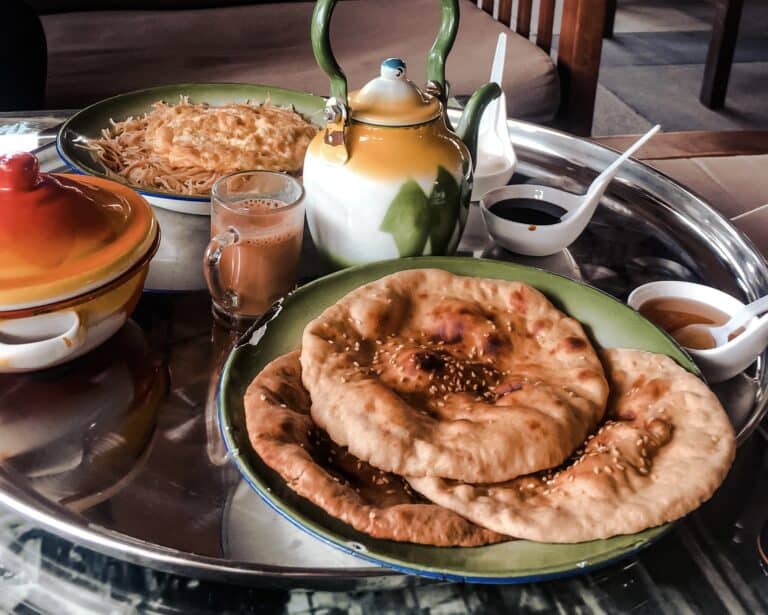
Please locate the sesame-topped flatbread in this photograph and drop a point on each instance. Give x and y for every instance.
(375, 502)
(665, 446)
(426, 373)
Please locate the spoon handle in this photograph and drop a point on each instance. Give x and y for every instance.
(497, 68)
(747, 313)
(601, 181)
(591, 199)
(491, 112)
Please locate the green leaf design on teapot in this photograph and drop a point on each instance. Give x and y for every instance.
(412, 217)
(444, 210)
(407, 219)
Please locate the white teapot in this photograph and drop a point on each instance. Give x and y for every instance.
(387, 177)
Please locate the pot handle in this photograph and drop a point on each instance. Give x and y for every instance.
(50, 346)
(321, 46)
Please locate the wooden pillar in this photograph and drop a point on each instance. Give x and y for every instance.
(578, 62)
(505, 12)
(524, 11)
(546, 24)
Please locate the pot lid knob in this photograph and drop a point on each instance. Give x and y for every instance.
(391, 99)
(19, 171)
(393, 68)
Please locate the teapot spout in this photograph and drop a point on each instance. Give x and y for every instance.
(470, 120)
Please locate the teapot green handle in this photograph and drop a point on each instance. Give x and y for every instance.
(446, 35)
(321, 46)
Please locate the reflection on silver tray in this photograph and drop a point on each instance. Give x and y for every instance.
(79, 433)
(248, 520)
(184, 509)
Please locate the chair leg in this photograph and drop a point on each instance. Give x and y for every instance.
(610, 18)
(722, 45)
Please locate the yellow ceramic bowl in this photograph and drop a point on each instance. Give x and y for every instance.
(75, 267)
(49, 335)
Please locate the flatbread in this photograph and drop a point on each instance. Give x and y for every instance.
(665, 447)
(425, 373)
(377, 503)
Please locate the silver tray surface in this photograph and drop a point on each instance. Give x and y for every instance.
(120, 451)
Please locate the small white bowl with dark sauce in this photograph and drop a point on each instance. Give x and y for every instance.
(528, 218)
(538, 220)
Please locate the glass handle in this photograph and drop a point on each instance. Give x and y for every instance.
(226, 297)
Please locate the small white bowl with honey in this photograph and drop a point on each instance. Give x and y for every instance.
(673, 305)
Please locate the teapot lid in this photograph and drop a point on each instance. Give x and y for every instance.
(391, 99)
(61, 236)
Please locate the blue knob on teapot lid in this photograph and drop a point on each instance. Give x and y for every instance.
(391, 99)
(393, 68)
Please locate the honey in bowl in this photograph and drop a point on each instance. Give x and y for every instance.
(674, 313)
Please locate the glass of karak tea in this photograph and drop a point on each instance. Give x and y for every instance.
(257, 223)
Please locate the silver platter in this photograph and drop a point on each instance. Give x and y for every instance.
(120, 451)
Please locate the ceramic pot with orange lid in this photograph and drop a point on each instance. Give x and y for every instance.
(74, 254)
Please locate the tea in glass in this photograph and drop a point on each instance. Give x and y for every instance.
(257, 224)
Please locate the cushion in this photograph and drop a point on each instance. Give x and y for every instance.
(98, 54)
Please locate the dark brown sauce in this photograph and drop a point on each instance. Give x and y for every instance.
(674, 313)
(528, 211)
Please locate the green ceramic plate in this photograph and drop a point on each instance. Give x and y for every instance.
(88, 124)
(609, 323)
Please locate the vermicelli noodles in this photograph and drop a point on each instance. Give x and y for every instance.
(185, 148)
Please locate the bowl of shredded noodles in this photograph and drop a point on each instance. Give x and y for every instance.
(171, 143)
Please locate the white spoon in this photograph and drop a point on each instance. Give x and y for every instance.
(546, 239)
(721, 333)
(496, 159)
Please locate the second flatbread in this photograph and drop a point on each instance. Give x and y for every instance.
(665, 447)
(374, 502)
